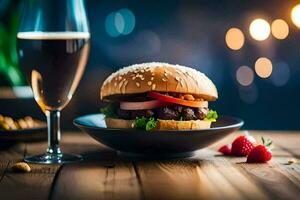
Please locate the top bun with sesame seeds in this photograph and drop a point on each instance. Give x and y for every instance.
(158, 77)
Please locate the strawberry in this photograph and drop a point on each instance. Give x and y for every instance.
(242, 146)
(225, 149)
(260, 153)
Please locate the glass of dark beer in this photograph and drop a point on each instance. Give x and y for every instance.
(53, 46)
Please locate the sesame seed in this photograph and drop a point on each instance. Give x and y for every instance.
(177, 78)
(152, 78)
(164, 80)
(149, 83)
(142, 78)
(153, 86)
(133, 77)
(123, 89)
(142, 71)
(120, 84)
(115, 84)
(120, 77)
(138, 84)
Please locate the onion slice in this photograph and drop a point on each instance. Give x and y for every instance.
(125, 105)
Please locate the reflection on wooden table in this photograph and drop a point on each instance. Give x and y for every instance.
(106, 175)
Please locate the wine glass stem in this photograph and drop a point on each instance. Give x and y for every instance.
(53, 120)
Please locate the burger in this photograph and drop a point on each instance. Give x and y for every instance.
(158, 96)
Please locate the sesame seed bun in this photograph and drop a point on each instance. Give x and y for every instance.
(159, 77)
(161, 125)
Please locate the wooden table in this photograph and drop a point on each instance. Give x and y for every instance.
(106, 175)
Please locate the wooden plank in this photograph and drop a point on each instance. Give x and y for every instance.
(285, 148)
(12, 153)
(291, 171)
(223, 166)
(98, 177)
(9, 154)
(33, 185)
(272, 181)
(280, 161)
(176, 179)
(208, 175)
(83, 144)
(97, 180)
(38, 183)
(3, 169)
(277, 178)
(202, 177)
(276, 183)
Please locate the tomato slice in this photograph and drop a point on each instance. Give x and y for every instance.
(166, 98)
(125, 105)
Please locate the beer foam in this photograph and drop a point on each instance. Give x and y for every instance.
(53, 35)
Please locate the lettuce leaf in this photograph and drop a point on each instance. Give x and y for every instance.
(151, 124)
(140, 122)
(147, 124)
(109, 111)
(211, 116)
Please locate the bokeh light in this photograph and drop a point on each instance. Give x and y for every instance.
(263, 67)
(281, 74)
(295, 15)
(259, 29)
(14, 75)
(23, 91)
(129, 21)
(234, 38)
(110, 26)
(119, 23)
(280, 29)
(244, 75)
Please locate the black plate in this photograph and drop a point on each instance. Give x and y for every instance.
(158, 143)
(23, 135)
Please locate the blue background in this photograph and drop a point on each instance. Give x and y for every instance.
(192, 33)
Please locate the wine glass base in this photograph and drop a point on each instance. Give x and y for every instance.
(53, 158)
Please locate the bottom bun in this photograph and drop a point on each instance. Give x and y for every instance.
(162, 124)
(119, 123)
(183, 125)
